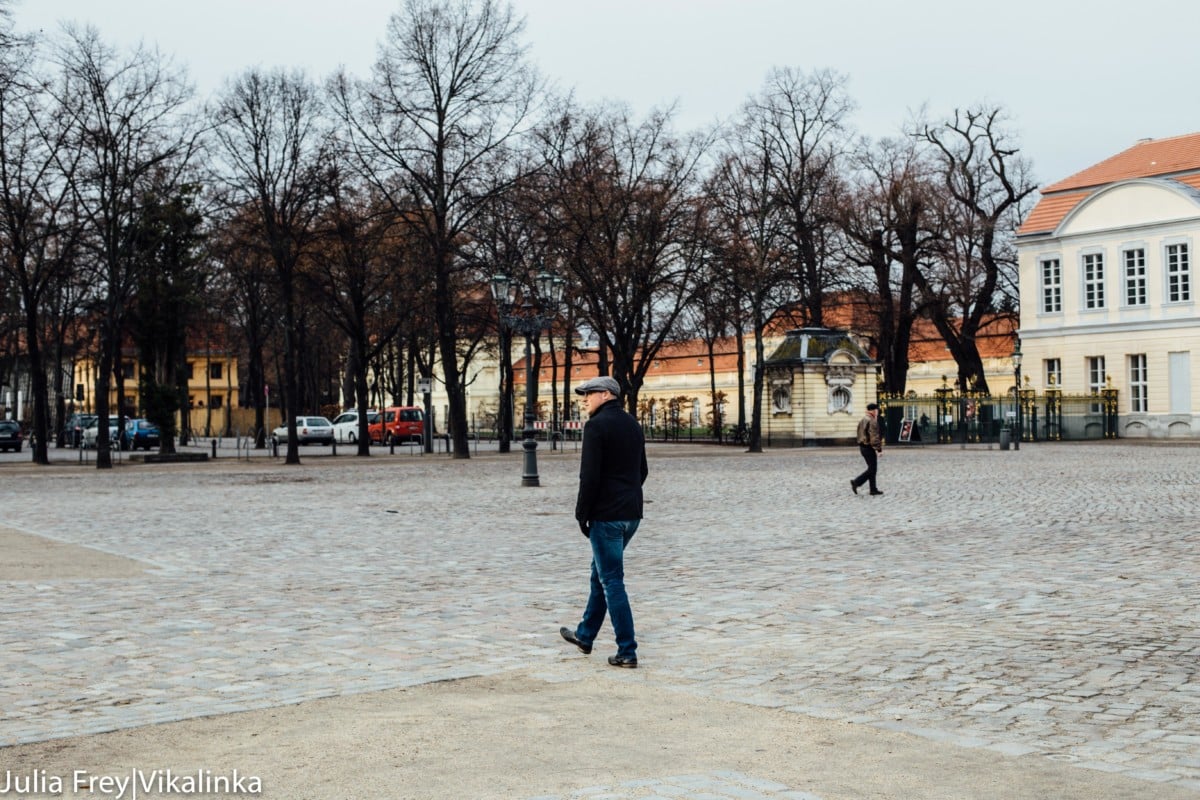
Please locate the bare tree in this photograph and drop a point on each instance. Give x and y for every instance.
(243, 287)
(753, 237)
(890, 218)
(434, 128)
(626, 200)
(270, 132)
(801, 120)
(986, 181)
(129, 116)
(36, 225)
(357, 273)
(709, 317)
(511, 238)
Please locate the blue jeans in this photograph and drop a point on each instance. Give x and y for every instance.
(608, 586)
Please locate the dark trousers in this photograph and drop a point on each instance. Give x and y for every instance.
(872, 458)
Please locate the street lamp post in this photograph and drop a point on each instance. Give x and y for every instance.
(1016, 359)
(533, 314)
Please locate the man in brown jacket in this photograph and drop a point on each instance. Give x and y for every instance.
(870, 444)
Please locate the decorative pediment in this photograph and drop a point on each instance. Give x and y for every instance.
(1144, 201)
(840, 375)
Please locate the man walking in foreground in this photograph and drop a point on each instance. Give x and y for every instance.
(870, 444)
(609, 508)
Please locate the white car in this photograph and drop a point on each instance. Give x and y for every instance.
(309, 430)
(90, 435)
(345, 425)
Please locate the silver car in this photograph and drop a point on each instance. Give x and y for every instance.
(90, 435)
(309, 430)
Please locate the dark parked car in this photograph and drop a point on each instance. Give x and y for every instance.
(75, 426)
(10, 435)
(139, 434)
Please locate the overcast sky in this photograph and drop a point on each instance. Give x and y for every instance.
(1080, 80)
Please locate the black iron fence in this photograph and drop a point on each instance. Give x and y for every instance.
(946, 417)
(950, 416)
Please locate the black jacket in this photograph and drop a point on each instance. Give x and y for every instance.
(613, 466)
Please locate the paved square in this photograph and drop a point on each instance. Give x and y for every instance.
(1041, 603)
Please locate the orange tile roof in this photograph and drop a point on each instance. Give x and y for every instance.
(1147, 158)
(1192, 180)
(994, 340)
(1050, 211)
(843, 310)
(1175, 156)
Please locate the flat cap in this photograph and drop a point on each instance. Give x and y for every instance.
(600, 384)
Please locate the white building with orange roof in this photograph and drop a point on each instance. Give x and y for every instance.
(1108, 286)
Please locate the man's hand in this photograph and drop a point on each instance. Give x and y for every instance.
(585, 528)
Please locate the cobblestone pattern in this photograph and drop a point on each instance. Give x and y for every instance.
(1035, 602)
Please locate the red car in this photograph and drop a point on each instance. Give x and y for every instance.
(398, 424)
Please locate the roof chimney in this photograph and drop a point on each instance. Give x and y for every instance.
(1145, 139)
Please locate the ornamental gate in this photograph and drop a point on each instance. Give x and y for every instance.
(953, 416)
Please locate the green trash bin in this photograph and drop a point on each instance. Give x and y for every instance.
(1005, 438)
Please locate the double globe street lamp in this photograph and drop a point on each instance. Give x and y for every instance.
(536, 310)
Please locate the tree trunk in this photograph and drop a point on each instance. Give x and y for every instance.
(41, 399)
(361, 397)
(103, 376)
(755, 444)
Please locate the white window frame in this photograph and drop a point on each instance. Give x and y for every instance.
(1133, 274)
(1091, 272)
(1052, 367)
(1097, 379)
(1138, 384)
(1050, 272)
(1177, 272)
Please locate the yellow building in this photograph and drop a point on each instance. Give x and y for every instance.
(212, 391)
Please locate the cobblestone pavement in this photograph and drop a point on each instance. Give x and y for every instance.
(1045, 601)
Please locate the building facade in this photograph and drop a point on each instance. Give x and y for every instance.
(1107, 286)
(213, 391)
